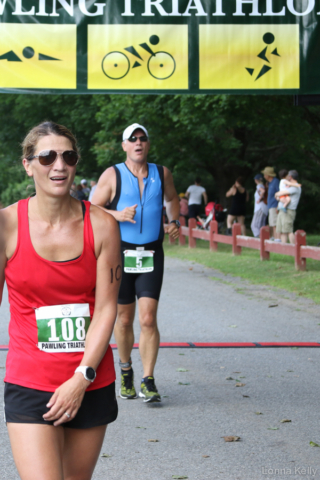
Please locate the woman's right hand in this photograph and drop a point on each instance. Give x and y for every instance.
(66, 400)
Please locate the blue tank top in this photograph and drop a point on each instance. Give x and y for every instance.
(149, 226)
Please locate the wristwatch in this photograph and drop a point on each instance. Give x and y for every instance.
(89, 373)
(176, 222)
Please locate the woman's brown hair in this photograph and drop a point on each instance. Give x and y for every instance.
(46, 128)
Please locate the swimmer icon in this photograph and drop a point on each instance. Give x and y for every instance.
(161, 65)
(28, 53)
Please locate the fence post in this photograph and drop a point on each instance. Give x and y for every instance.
(192, 241)
(300, 239)
(264, 235)
(236, 230)
(182, 238)
(213, 230)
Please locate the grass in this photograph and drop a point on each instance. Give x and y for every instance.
(279, 272)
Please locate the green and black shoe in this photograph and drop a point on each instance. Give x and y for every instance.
(127, 390)
(149, 391)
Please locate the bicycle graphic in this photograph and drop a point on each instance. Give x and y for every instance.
(161, 65)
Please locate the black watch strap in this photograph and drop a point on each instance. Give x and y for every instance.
(176, 222)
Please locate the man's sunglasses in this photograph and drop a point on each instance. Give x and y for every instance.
(144, 138)
(48, 157)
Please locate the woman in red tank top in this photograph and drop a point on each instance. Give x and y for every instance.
(61, 260)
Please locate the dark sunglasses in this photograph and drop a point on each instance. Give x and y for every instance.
(144, 138)
(48, 157)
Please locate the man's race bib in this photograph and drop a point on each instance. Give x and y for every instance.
(63, 328)
(138, 261)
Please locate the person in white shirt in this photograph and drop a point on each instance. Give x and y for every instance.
(194, 195)
(260, 211)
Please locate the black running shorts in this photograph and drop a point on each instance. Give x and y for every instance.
(142, 284)
(194, 210)
(26, 405)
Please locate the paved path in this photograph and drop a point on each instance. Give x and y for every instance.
(200, 304)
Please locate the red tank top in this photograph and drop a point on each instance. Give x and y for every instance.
(43, 351)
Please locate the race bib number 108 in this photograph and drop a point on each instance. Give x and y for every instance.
(63, 328)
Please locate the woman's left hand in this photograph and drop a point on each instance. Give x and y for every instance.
(66, 400)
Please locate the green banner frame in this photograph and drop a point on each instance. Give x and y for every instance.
(160, 46)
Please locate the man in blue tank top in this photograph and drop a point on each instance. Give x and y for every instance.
(135, 190)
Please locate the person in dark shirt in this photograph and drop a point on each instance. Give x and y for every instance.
(238, 208)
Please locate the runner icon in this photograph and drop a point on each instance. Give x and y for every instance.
(27, 52)
(161, 65)
(268, 39)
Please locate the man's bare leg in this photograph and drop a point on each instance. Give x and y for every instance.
(123, 332)
(274, 233)
(284, 237)
(149, 336)
(149, 347)
(292, 238)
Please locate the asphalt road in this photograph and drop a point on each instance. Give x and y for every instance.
(200, 406)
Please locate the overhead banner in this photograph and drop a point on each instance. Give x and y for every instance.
(160, 46)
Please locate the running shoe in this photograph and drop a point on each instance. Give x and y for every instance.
(127, 390)
(149, 391)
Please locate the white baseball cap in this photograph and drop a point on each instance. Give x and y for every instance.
(129, 131)
(83, 181)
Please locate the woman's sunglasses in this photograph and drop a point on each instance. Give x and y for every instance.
(48, 157)
(144, 138)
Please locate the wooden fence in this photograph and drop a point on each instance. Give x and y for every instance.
(300, 251)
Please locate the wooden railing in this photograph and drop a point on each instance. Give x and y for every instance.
(300, 251)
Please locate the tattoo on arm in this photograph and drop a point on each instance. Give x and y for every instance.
(117, 274)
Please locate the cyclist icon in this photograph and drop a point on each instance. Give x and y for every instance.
(161, 65)
(268, 38)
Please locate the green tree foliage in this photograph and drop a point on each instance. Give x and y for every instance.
(217, 137)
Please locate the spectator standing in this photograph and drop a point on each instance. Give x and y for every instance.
(80, 193)
(286, 219)
(85, 188)
(284, 184)
(273, 187)
(194, 195)
(260, 212)
(183, 206)
(238, 208)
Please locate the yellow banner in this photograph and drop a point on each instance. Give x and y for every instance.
(134, 57)
(249, 57)
(38, 56)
